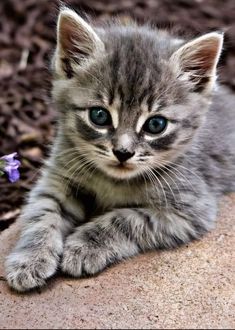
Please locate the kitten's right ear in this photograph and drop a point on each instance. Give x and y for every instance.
(76, 42)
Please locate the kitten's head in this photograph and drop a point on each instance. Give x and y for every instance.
(131, 98)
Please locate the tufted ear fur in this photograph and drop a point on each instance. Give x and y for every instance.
(76, 42)
(196, 61)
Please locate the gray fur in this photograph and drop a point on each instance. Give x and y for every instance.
(88, 212)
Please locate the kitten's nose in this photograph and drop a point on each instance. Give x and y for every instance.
(123, 154)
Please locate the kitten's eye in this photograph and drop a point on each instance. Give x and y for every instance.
(100, 116)
(155, 125)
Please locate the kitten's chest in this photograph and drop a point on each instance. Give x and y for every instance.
(105, 194)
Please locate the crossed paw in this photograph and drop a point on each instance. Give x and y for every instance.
(27, 269)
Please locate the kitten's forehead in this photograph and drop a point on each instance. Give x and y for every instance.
(131, 69)
(136, 69)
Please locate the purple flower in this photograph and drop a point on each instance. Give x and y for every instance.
(9, 165)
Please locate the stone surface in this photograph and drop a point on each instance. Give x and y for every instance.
(190, 287)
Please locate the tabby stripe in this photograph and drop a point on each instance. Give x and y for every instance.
(146, 218)
(145, 153)
(63, 212)
(74, 107)
(87, 132)
(122, 96)
(115, 64)
(189, 124)
(218, 158)
(199, 229)
(150, 101)
(66, 65)
(111, 96)
(100, 146)
(164, 143)
(143, 96)
(176, 241)
(94, 235)
(121, 225)
(47, 210)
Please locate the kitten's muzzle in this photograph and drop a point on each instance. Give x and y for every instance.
(123, 154)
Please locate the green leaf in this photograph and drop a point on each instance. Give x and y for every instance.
(2, 164)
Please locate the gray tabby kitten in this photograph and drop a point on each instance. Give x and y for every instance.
(142, 153)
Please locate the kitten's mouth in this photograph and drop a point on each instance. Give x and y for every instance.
(121, 170)
(123, 166)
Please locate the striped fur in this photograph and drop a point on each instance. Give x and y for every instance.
(87, 210)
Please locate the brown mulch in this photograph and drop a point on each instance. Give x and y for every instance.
(27, 38)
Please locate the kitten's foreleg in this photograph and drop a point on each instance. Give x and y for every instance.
(45, 223)
(120, 234)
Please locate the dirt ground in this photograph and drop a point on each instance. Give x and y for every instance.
(27, 38)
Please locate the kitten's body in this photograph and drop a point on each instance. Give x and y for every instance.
(167, 196)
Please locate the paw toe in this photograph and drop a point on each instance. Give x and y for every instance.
(83, 261)
(23, 280)
(72, 262)
(26, 275)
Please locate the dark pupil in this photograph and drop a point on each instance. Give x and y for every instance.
(155, 125)
(99, 116)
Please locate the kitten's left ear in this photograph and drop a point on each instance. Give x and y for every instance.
(76, 42)
(196, 61)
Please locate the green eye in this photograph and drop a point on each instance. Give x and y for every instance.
(155, 125)
(100, 116)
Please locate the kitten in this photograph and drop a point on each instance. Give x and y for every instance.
(144, 149)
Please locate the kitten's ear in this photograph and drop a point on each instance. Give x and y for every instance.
(76, 41)
(196, 61)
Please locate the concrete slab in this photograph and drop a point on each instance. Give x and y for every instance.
(191, 287)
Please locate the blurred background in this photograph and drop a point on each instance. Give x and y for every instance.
(27, 39)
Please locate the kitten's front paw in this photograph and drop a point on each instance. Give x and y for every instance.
(85, 257)
(25, 270)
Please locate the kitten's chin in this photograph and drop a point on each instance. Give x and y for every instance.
(121, 172)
